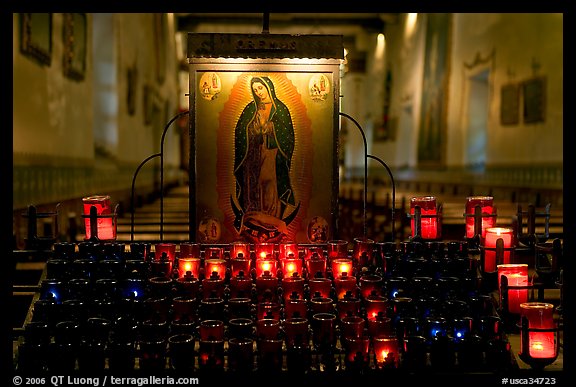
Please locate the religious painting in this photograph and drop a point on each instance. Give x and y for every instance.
(534, 97)
(75, 45)
(432, 133)
(36, 36)
(510, 104)
(265, 160)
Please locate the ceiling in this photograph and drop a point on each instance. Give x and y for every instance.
(284, 22)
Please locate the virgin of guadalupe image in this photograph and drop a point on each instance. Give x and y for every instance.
(263, 144)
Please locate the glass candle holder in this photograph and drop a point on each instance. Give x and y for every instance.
(352, 326)
(324, 330)
(240, 307)
(239, 250)
(337, 248)
(211, 330)
(213, 287)
(487, 214)
(133, 288)
(267, 328)
(51, 289)
(345, 285)
(240, 286)
(184, 307)
(295, 308)
(268, 310)
(320, 287)
(296, 329)
(386, 351)
(379, 325)
(516, 276)
(240, 354)
(341, 267)
(538, 344)
(240, 328)
(267, 287)
(288, 250)
(140, 250)
(167, 250)
(215, 267)
(493, 234)
(211, 355)
(181, 352)
(240, 265)
(316, 267)
(375, 305)
(265, 250)
(214, 252)
(188, 266)
(348, 306)
(362, 251)
(212, 308)
(293, 287)
(106, 228)
(321, 305)
(428, 217)
(357, 352)
(291, 266)
(270, 355)
(188, 286)
(266, 265)
(370, 285)
(189, 250)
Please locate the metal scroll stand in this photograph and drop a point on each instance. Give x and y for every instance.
(366, 156)
(161, 155)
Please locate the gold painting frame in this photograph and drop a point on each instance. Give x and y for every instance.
(258, 180)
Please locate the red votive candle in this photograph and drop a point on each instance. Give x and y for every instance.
(370, 284)
(492, 236)
(188, 267)
(344, 285)
(267, 287)
(488, 211)
(293, 287)
(540, 315)
(189, 250)
(341, 266)
(240, 265)
(266, 265)
(428, 216)
(517, 275)
(214, 252)
(287, 249)
(320, 287)
(375, 304)
(266, 310)
(357, 350)
(386, 351)
(239, 249)
(337, 248)
(362, 251)
(291, 266)
(379, 325)
(295, 308)
(106, 225)
(168, 248)
(316, 266)
(217, 266)
(263, 250)
(240, 286)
